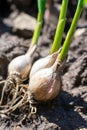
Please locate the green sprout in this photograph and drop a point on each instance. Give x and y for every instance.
(67, 42)
(41, 10)
(60, 27)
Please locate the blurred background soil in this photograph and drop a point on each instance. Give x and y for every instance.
(69, 110)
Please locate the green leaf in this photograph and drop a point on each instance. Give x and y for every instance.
(82, 3)
(41, 5)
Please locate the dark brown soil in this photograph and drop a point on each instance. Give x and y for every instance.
(69, 110)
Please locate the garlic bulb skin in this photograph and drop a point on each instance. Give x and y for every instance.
(45, 84)
(21, 65)
(44, 63)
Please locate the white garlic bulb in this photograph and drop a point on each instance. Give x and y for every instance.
(46, 83)
(21, 65)
(44, 62)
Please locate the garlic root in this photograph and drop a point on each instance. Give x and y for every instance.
(2, 82)
(19, 99)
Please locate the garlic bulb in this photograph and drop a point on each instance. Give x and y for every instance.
(18, 71)
(44, 62)
(46, 83)
(21, 65)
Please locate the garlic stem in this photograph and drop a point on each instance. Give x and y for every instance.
(71, 31)
(60, 27)
(41, 10)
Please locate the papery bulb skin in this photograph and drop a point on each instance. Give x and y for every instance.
(21, 65)
(44, 63)
(45, 85)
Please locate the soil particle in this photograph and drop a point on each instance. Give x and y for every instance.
(77, 73)
(12, 46)
(3, 65)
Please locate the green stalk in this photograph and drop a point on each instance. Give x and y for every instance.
(71, 31)
(60, 27)
(37, 29)
(41, 5)
(41, 9)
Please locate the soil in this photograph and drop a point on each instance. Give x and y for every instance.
(69, 110)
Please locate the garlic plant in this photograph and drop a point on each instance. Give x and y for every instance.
(46, 83)
(50, 59)
(19, 67)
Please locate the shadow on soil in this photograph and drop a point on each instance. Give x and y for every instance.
(4, 28)
(65, 112)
